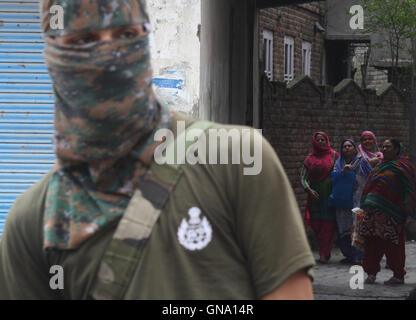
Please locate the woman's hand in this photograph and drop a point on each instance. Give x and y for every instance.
(347, 167)
(374, 161)
(313, 193)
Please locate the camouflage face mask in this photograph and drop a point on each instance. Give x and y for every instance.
(104, 100)
(105, 118)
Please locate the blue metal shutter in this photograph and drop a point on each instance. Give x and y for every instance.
(26, 102)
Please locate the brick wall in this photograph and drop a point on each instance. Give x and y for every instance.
(297, 21)
(293, 112)
(377, 77)
(374, 78)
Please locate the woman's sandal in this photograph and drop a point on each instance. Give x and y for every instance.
(393, 280)
(371, 279)
(322, 261)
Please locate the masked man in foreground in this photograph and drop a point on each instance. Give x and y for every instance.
(122, 226)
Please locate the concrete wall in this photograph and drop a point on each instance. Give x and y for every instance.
(176, 52)
(374, 78)
(227, 55)
(338, 20)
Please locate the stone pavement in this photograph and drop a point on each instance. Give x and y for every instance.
(332, 281)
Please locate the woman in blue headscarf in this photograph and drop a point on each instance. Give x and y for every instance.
(350, 160)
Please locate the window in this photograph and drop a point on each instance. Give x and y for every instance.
(268, 53)
(289, 58)
(306, 58)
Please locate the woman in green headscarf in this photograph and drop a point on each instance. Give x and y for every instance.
(388, 199)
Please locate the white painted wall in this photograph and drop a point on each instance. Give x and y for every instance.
(175, 52)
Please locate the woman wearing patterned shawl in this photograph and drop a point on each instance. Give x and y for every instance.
(316, 181)
(369, 148)
(388, 199)
(350, 160)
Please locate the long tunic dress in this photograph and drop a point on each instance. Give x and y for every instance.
(321, 217)
(346, 220)
(318, 208)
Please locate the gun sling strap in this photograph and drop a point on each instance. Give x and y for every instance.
(125, 250)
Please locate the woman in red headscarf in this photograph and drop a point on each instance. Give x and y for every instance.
(316, 181)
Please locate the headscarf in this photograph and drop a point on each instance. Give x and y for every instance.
(357, 160)
(320, 161)
(369, 154)
(105, 118)
(391, 188)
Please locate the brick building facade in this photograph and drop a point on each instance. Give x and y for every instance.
(301, 23)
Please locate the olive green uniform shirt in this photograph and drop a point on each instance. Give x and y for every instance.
(258, 240)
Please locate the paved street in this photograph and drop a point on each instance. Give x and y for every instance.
(332, 281)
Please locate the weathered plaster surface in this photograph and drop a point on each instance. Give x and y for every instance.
(176, 52)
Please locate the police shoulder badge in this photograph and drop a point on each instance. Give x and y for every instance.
(196, 233)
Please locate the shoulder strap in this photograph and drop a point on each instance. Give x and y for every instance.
(125, 250)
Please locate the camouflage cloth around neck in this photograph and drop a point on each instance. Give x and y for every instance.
(105, 119)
